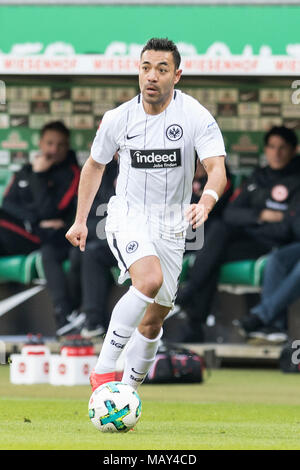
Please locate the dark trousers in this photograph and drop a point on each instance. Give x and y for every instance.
(281, 286)
(96, 281)
(55, 249)
(93, 280)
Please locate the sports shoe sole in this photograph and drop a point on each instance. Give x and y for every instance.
(72, 325)
(277, 338)
(104, 378)
(260, 338)
(86, 333)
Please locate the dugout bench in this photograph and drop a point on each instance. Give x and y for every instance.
(235, 278)
(236, 281)
(26, 269)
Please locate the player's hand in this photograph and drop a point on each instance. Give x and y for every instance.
(196, 215)
(56, 224)
(268, 215)
(42, 163)
(77, 235)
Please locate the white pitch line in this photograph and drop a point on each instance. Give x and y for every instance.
(8, 304)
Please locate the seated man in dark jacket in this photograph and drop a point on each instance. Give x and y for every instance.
(39, 206)
(259, 218)
(261, 214)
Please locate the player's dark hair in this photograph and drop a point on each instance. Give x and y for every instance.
(165, 44)
(285, 133)
(57, 126)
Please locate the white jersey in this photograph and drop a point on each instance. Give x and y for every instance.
(157, 154)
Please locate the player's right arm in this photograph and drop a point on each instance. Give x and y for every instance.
(90, 180)
(102, 151)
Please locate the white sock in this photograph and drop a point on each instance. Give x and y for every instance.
(126, 316)
(140, 356)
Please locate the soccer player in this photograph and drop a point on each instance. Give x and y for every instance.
(156, 135)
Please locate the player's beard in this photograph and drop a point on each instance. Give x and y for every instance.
(159, 98)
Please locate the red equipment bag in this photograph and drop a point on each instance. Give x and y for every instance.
(174, 364)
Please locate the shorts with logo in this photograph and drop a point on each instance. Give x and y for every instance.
(131, 238)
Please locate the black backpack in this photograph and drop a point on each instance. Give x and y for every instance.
(174, 364)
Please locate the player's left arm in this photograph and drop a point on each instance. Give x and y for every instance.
(197, 214)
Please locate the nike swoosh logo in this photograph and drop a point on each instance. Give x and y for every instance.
(132, 136)
(139, 373)
(116, 334)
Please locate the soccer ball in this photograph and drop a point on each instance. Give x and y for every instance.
(115, 407)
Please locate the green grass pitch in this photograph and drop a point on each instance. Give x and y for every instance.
(233, 409)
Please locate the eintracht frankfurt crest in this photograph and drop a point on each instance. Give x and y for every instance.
(174, 132)
(132, 247)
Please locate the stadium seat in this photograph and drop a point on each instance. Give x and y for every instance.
(187, 262)
(20, 268)
(25, 269)
(40, 269)
(248, 272)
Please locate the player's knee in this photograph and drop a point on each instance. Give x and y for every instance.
(149, 284)
(155, 282)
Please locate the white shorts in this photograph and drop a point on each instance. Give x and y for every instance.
(136, 241)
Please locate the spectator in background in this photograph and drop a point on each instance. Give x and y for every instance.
(18, 226)
(263, 211)
(39, 206)
(259, 218)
